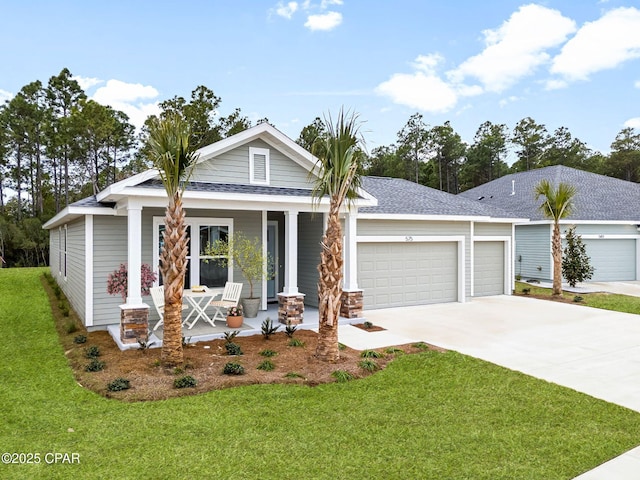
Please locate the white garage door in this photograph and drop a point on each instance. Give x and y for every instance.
(488, 268)
(614, 260)
(399, 274)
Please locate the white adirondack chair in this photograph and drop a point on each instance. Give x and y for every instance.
(230, 298)
(157, 295)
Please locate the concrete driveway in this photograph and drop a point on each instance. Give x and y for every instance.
(631, 287)
(590, 350)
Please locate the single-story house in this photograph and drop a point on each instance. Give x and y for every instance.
(606, 215)
(405, 244)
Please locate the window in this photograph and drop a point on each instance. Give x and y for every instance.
(259, 166)
(63, 252)
(203, 269)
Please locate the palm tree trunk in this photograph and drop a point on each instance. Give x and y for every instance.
(330, 289)
(173, 264)
(556, 252)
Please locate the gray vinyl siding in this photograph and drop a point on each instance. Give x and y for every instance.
(382, 227)
(233, 167)
(73, 286)
(54, 252)
(533, 251)
(109, 251)
(492, 229)
(310, 230)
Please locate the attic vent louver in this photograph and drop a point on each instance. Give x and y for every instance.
(513, 187)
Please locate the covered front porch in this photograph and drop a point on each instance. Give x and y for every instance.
(203, 331)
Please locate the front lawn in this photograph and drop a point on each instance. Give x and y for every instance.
(429, 415)
(605, 301)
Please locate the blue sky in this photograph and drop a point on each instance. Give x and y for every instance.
(572, 63)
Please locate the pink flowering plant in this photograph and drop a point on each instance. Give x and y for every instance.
(235, 311)
(117, 281)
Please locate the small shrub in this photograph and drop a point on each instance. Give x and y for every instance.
(118, 385)
(295, 342)
(421, 346)
(178, 371)
(268, 353)
(233, 348)
(144, 345)
(526, 291)
(92, 352)
(80, 339)
(48, 277)
(518, 277)
(342, 376)
(371, 354)
(266, 365)
(232, 368)
(368, 365)
(71, 327)
(156, 363)
(341, 346)
(268, 328)
(293, 375)
(367, 325)
(393, 351)
(94, 365)
(185, 382)
(229, 336)
(578, 299)
(57, 291)
(64, 309)
(290, 329)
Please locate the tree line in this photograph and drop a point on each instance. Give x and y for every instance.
(58, 146)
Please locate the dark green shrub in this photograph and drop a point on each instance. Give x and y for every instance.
(342, 376)
(266, 365)
(185, 382)
(526, 291)
(57, 291)
(268, 353)
(393, 351)
(118, 385)
(421, 346)
(576, 264)
(80, 339)
(232, 368)
(341, 346)
(368, 365)
(144, 345)
(92, 352)
(371, 354)
(229, 336)
(70, 327)
(233, 348)
(293, 375)
(578, 299)
(290, 329)
(94, 365)
(268, 328)
(295, 342)
(367, 325)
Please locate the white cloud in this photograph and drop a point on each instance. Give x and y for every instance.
(633, 123)
(87, 82)
(327, 3)
(286, 11)
(324, 21)
(506, 101)
(4, 96)
(637, 84)
(599, 45)
(516, 48)
(426, 92)
(126, 97)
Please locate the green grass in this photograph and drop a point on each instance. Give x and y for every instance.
(429, 415)
(605, 301)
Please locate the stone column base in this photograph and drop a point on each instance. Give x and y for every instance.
(352, 302)
(134, 324)
(290, 308)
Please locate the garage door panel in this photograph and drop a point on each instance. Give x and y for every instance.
(488, 268)
(410, 274)
(614, 260)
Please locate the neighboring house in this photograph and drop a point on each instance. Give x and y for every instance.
(405, 244)
(606, 215)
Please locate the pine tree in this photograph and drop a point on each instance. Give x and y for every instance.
(576, 266)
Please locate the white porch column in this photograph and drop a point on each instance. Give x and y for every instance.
(134, 255)
(351, 252)
(291, 253)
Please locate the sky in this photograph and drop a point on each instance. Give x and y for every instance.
(564, 63)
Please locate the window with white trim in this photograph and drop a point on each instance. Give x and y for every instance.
(201, 269)
(259, 166)
(64, 252)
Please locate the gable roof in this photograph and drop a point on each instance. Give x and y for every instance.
(401, 197)
(598, 198)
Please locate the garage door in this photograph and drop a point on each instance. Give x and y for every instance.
(613, 260)
(488, 269)
(399, 274)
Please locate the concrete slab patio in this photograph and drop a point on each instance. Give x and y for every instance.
(589, 350)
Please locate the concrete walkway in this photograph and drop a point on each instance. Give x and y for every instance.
(590, 350)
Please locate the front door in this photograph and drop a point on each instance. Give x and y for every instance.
(272, 250)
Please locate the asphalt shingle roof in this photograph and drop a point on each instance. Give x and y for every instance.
(597, 197)
(235, 188)
(397, 196)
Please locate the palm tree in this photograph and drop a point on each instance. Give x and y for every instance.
(339, 157)
(173, 157)
(558, 204)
